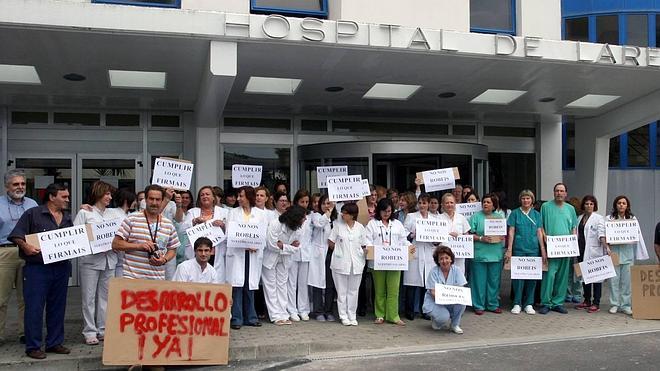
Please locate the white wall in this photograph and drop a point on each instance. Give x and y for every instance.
(229, 6)
(539, 18)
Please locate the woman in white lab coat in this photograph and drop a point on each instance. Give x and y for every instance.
(591, 240)
(320, 275)
(458, 224)
(298, 291)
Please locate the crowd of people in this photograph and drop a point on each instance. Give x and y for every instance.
(314, 264)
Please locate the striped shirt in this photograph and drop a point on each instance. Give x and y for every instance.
(134, 229)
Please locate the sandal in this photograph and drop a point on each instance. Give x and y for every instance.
(399, 323)
(92, 341)
(282, 322)
(379, 321)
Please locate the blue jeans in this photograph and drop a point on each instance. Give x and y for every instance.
(443, 313)
(242, 311)
(45, 286)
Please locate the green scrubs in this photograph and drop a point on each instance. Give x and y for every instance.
(486, 270)
(525, 243)
(557, 221)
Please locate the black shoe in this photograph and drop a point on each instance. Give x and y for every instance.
(235, 327)
(361, 313)
(36, 354)
(559, 309)
(21, 339)
(426, 317)
(410, 316)
(58, 349)
(256, 324)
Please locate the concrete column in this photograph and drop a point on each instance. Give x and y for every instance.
(539, 18)
(591, 163)
(549, 152)
(3, 142)
(206, 156)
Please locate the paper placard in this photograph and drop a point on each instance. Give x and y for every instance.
(208, 230)
(62, 244)
(439, 179)
(431, 230)
(323, 172)
(246, 235)
(154, 322)
(462, 246)
(366, 192)
(468, 209)
(645, 280)
(246, 175)
(495, 227)
(448, 295)
(391, 258)
(544, 267)
(562, 246)
(526, 268)
(619, 232)
(370, 254)
(172, 173)
(103, 234)
(597, 269)
(345, 188)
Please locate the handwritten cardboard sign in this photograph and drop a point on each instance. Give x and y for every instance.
(172, 173)
(103, 234)
(62, 244)
(246, 175)
(462, 246)
(246, 235)
(208, 230)
(345, 188)
(495, 227)
(391, 258)
(468, 209)
(645, 281)
(431, 230)
(621, 231)
(323, 172)
(448, 295)
(562, 246)
(597, 269)
(439, 179)
(152, 322)
(526, 268)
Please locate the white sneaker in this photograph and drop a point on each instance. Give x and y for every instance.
(304, 317)
(345, 322)
(457, 330)
(627, 311)
(515, 309)
(295, 318)
(614, 309)
(354, 322)
(529, 309)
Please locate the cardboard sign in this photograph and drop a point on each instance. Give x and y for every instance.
(431, 230)
(645, 280)
(462, 246)
(448, 295)
(526, 268)
(439, 179)
(246, 175)
(152, 322)
(597, 269)
(172, 173)
(345, 188)
(370, 254)
(62, 244)
(562, 246)
(246, 235)
(366, 192)
(619, 232)
(103, 234)
(391, 258)
(323, 172)
(468, 209)
(208, 230)
(495, 227)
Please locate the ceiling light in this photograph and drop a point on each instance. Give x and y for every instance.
(17, 74)
(448, 94)
(137, 79)
(498, 96)
(592, 101)
(334, 89)
(391, 91)
(74, 77)
(272, 85)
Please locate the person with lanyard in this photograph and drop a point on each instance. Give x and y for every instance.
(320, 274)
(12, 206)
(148, 239)
(525, 239)
(559, 219)
(382, 231)
(458, 224)
(198, 269)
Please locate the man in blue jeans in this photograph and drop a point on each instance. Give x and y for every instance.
(44, 285)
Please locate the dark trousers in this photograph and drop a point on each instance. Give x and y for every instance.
(365, 293)
(45, 286)
(323, 302)
(414, 297)
(242, 311)
(598, 288)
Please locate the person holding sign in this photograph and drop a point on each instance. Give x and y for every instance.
(458, 224)
(382, 231)
(444, 273)
(298, 291)
(486, 269)
(198, 269)
(559, 219)
(525, 239)
(320, 274)
(44, 283)
(96, 269)
(348, 241)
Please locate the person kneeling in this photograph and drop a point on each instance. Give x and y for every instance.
(198, 269)
(446, 273)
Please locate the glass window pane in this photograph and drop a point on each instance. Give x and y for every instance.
(469, 130)
(77, 118)
(657, 30)
(491, 15)
(40, 172)
(389, 128)
(509, 131)
(314, 125)
(112, 119)
(255, 123)
(22, 118)
(308, 175)
(165, 121)
(167, 3)
(314, 5)
(638, 30)
(615, 152)
(116, 172)
(510, 173)
(577, 29)
(607, 29)
(276, 162)
(570, 145)
(638, 147)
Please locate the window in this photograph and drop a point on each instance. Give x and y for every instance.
(511, 172)
(637, 30)
(254, 123)
(112, 119)
(158, 3)
(318, 8)
(657, 30)
(389, 128)
(615, 152)
(509, 131)
(468, 130)
(314, 125)
(165, 121)
(576, 29)
(638, 147)
(77, 118)
(492, 16)
(569, 145)
(22, 118)
(276, 162)
(607, 29)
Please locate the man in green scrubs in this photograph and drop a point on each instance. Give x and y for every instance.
(559, 219)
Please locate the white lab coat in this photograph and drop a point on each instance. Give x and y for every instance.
(320, 224)
(459, 224)
(273, 254)
(392, 235)
(103, 260)
(422, 263)
(594, 229)
(235, 258)
(191, 271)
(348, 257)
(221, 250)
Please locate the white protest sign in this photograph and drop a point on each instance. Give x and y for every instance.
(345, 188)
(171, 173)
(448, 295)
(366, 192)
(562, 246)
(495, 227)
(468, 209)
(462, 246)
(246, 175)
(390, 258)
(439, 179)
(62, 244)
(208, 230)
(622, 231)
(323, 172)
(526, 268)
(431, 230)
(246, 235)
(104, 233)
(597, 269)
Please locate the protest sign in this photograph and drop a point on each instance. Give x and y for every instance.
(103, 233)
(172, 173)
(345, 188)
(597, 269)
(495, 227)
(462, 246)
(246, 175)
(390, 258)
(431, 230)
(468, 209)
(645, 281)
(439, 179)
(366, 192)
(526, 268)
(448, 295)
(562, 246)
(323, 172)
(246, 235)
(208, 230)
(62, 244)
(619, 232)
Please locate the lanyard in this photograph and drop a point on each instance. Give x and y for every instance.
(155, 232)
(387, 233)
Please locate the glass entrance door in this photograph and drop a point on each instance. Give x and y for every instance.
(112, 169)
